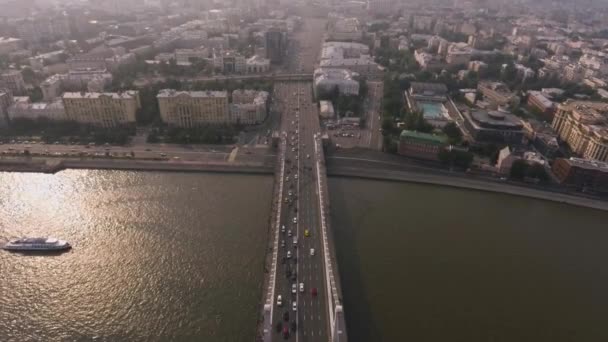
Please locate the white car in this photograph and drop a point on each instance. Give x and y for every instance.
(295, 240)
(312, 252)
(283, 228)
(293, 288)
(289, 233)
(295, 306)
(295, 176)
(295, 220)
(301, 287)
(279, 300)
(308, 156)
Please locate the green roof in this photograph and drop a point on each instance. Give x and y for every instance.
(423, 137)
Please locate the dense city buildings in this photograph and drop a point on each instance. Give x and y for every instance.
(102, 109)
(188, 109)
(583, 125)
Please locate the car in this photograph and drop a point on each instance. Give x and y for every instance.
(290, 193)
(286, 316)
(296, 176)
(301, 287)
(313, 291)
(280, 300)
(306, 233)
(287, 178)
(289, 233)
(294, 306)
(312, 252)
(293, 326)
(285, 332)
(308, 156)
(295, 240)
(297, 157)
(293, 288)
(282, 243)
(295, 220)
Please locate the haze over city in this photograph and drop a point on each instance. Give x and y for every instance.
(268, 170)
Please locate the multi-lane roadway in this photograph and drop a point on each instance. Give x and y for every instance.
(301, 269)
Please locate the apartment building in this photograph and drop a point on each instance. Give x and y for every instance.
(248, 107)
(583, 125)
(498, 93)
(188, 109)
(13, 81)
(102, 109)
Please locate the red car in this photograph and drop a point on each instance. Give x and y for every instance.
(314, 291)
(285, 332)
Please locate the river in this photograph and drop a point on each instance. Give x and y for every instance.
(178, 257)
(427, 263)
(156, 256)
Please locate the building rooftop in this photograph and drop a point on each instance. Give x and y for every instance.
(428, 89)
(496, 119)
(426, 137)
(589, 164)
(202, 94)
(93, 95)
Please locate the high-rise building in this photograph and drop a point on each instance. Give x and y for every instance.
(193, 108)
(102, 109)
(276, 45)
(6, 99)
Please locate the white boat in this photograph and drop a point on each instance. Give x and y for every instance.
(36, 244)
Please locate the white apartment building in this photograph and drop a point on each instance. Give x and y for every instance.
(325, 80)
(51, 87)
(351, 56)
(458, 54)
(188, 109)
(257, 64)
(248, 107)
(229, 62)
(102, 109)
(32, 111)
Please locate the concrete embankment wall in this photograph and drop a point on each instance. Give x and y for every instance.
(133, 165)
(466, 183)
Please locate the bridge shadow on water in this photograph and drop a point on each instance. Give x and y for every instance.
(360, 323)
(40, 253)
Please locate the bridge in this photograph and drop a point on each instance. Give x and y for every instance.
(303, 299)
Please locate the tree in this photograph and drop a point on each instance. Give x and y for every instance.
(453, 132)
(518, 169)
(29, 76)
(36, 95)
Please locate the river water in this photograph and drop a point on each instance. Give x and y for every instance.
(178, 257)
(425, 263)
(156, 257)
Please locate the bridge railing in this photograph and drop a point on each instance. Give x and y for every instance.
(335, 308)
(270, 293)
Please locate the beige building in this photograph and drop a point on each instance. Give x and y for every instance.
(102, 109)
(193, 108)
(583, 125)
